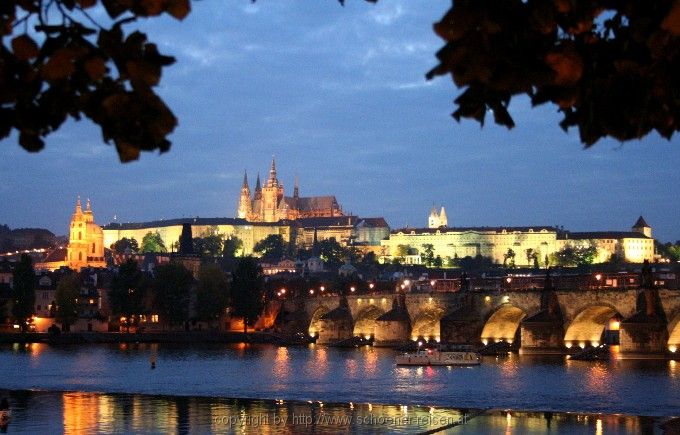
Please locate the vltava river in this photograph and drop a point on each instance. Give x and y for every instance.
(345, 380)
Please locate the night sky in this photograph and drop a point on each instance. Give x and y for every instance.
(338, 95)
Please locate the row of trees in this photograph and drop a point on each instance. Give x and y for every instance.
(273, 248)
(211, 244)
(168, 292)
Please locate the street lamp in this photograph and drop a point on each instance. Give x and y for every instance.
(311, 291)
(322, 288)
(371, 285)
(352, 289)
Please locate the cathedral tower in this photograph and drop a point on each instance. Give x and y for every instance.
(244, 205)
(270, 196)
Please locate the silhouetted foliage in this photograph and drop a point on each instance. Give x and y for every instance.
(272, 247)
(212, 293)
(171, 288)
(247, 291)
(66, 297)
(23, 290)
(126, 293)
(611, 67)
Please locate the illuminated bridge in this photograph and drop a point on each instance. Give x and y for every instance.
(645, 321)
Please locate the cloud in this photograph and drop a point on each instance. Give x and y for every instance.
(386, 13)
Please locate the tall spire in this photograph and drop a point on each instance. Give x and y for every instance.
(88, 209)
(296, 189)
(79, 208)
(245, 180)
(272, 173)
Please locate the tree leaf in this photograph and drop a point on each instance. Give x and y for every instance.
(95, 68)
(179, 8)
(24, 47)
(59, 66)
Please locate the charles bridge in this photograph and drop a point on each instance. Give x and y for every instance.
(646, 322)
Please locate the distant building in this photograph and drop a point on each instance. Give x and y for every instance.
(437, 220)
(530, 245)
(269, 203)
(85, 246)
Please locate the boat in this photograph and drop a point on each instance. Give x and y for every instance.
(439, 357)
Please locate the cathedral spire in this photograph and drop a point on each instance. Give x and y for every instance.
(88, 209)
(296, 188)
(272, 173)
(79, 208)
(245, 180)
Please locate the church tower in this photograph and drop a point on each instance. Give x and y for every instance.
(642, 227)
(86, 240)
(443, 220)
(433, 220)
(272, 193)
(245, 207)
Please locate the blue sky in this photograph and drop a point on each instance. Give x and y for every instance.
(338, 94)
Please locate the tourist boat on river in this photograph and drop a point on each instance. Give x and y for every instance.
(439, 357)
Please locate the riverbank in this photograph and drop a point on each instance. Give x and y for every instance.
(142, 337)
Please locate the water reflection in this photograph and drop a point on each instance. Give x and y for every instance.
(91, 413)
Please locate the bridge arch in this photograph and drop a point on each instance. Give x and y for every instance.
(315, 322)
(426, 324)
(364, 322)
(674, 334)
(503, 324)
(588, 325)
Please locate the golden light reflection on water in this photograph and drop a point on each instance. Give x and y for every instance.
(282, 364)
(673, 368)
(598, 378)
(81, 413)
(371, 360)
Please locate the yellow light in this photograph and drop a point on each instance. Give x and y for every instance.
(614, 325)
(568, 344)
(429, 300)
(371, 285)
(485, 341)
(352, 289)
(595, 343)
(370, 301)
(383, 301)
(673, 348)
(432, 283)
(598, 276)
(508, 280)
(487, 299)
(367, 337)
(283, 291)
(359, 301)
(582, 345)
(311, 291)
(322, 288)
(407, 282)
(506, 299)
(437, 339)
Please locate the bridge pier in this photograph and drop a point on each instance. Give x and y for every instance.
(542, 334)
(336, 325)
(461, 326)
(642, 336)
(394, 327)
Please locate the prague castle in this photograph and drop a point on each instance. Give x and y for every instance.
(528, 244)
(269, 203)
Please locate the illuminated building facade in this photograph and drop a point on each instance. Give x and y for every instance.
(85, 246)
(529, 244)
(269, 203)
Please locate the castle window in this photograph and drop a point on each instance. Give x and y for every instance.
(80, 235)
(93, 248)
(80, 256)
